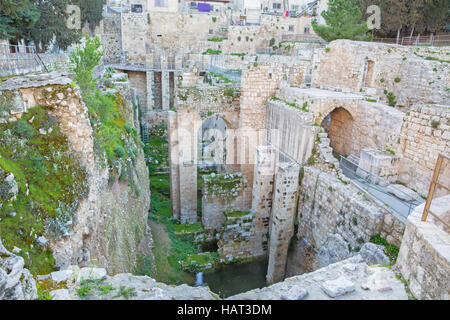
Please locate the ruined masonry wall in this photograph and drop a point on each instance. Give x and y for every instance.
(421, 144)
(421, 80)
(328, 206)
(234, 242)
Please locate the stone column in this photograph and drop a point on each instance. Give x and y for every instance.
(284, 205)
(188, 192)
(165, 85)
(172, 128)
(262, 198)
(150, 84)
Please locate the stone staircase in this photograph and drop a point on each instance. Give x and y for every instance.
(326, 155)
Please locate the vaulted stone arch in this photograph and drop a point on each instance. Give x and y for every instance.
(339, 126)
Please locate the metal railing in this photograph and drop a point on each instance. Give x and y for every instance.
(377, 187)
(436, 183)
(302, 38)
(19, 59)
(440, 40)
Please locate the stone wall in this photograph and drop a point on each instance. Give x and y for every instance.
(425, 134)
(367, 124)
(134, 36)
(111, 38)
(328, 207)
(424, 259)
(290, 130)
(234, 242)
(222, 193)
(381, 68)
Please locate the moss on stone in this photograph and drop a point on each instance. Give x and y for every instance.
(51, 183)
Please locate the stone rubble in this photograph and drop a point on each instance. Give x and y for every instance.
(350, 279)
(16, 282)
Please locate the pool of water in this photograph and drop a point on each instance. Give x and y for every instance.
(228, 280)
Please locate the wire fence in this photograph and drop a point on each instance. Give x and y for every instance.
(389, 194)
(439, 40)
(20, 59)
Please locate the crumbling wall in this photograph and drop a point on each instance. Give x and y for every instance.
(222, 193)
(234, 242)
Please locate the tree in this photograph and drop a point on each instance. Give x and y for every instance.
(343, 21)
(437, 14)
(17, 18)
(83, 61)
(52, 25)
(91, 12)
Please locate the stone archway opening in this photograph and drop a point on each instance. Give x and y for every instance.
(339, 126)
(212, 144)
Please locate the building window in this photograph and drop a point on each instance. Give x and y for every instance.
(277, 5)
(136, 8)
(291, 28)
(161, 3)
(294, 7)
(306, 30)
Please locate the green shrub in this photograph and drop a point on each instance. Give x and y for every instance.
(435, 124)
(119, 151)
(391, 99)
(397, 80)
(24, 129)
(128, 128)
(390, 249)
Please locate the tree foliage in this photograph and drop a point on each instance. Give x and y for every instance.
(400, 14)
(343, 21)
(83, 61)
(52, 25)
(17, 18)
(45, 21)
(91, 12)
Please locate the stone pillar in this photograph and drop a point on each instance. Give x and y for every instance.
(150, 84)
(172, 128)
(262, 198)
(165, 87)
(284, 205)
(182, 131)
(188, 192)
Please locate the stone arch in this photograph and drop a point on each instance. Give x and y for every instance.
(212, 142)
(339, 126)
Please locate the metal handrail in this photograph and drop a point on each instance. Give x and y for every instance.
(411, 204)
(435, 182)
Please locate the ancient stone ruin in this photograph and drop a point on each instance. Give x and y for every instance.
(310, 165)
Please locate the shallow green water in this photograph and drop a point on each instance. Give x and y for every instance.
(228, 280)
